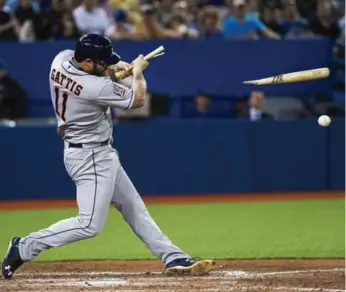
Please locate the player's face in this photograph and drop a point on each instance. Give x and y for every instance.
(99, 68)
(95, 67)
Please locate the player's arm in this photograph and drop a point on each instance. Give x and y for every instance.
(139, 85)
(136, 81)
(114, 94)
(126, 74)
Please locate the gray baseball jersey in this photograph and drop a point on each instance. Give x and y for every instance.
(82, 105)
(82, 101)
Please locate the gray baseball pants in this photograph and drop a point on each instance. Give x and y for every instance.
(100, 180)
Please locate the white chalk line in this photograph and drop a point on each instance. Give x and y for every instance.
(300, 271)
(231, 273)
(119, 281)
(234, 274)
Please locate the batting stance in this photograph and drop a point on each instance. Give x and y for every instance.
(82, 94)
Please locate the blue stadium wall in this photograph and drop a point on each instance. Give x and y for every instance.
(186, 157)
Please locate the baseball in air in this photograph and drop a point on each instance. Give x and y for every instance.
(324, 121)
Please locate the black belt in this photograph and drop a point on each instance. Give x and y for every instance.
(80, 145)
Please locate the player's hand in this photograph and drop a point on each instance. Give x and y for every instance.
(139, 65)
(122, 69)
(121, 66)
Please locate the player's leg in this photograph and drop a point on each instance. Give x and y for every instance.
(93, 172)
(127, 200)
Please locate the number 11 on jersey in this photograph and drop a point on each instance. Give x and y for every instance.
(64, 101)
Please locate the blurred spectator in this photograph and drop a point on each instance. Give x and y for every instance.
(27, 18)
(252, 9)
(188, 12)
(50, 21)
(128, 5)
(240, 108)
(72, 4)
(8, 30)
(307, 8)
(152, 28)
(340, 49)
(12, 5)
(254, 109)
(203, 109)
(13, 100)
(24, 11)
(27, 32)
(133, 9)
(293, 24)
(178, 24)
(240, 26)
(269, 18)
(122, 28)
(341, 24)
(164, 11)
(256, 106)
(323, 24)
(90, 18)
(57, 23)
(69, 28)
(208, 23)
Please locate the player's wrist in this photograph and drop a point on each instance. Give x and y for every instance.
(137, 74)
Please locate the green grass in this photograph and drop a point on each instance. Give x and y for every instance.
(305, 229)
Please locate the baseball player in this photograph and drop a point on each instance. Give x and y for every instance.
(83, 91)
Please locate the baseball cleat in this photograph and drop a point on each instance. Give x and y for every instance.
(12, 260)
(188, 266)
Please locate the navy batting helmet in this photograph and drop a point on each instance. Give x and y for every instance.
(96, 48)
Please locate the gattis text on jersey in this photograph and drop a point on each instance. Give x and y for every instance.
(120, 91)
(66, 82)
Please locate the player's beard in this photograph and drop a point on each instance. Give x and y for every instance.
(98, 69)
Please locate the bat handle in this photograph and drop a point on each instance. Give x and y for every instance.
(157, 52)
(123, 74)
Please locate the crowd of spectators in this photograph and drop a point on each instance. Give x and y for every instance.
(29, 20)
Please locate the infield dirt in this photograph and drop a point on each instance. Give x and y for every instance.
(232, 275)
